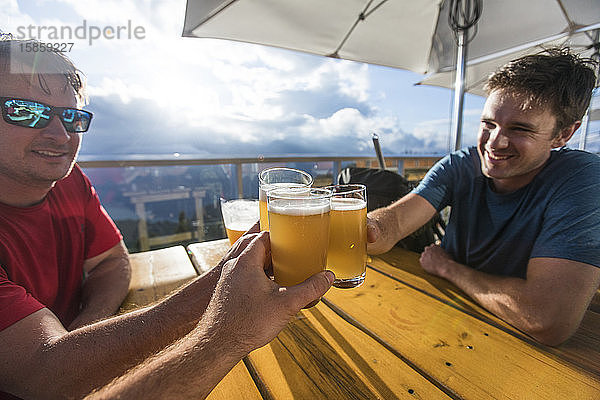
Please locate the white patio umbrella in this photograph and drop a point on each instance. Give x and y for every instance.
(583, 41)
(478, 69)
(408, 34)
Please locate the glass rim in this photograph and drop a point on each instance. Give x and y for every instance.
(224, 200)
(261, 179)
(358, 187)
(280, 193)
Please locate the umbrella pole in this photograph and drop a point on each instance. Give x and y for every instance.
(585, 123)
(459, 88)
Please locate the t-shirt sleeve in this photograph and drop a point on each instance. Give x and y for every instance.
(101, 233)
(436, 186)
(571, 225)
(15, 302)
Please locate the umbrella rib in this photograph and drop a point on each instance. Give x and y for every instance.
(533, 43)
(361, 17)
(366, 14)
(210, 16)
(572, 25)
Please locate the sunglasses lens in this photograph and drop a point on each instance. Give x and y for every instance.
(76, 120)
(26, 113)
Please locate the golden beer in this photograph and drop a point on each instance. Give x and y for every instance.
(299, 237)
(347, 253)
(264, 214)
(238, 216)
(233, 235)
(273, 178)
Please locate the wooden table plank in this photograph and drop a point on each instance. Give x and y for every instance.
(468, 357)
(155, 274)
(321, 356)
(471, 358)
(237, 384)
(206, 255)
(404, 266)
(582, 349)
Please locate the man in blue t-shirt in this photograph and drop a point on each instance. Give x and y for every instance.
(523, 238)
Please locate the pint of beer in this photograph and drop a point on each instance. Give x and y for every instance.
(273, 178)
(347, 253)
(299, 231)
(238, 216)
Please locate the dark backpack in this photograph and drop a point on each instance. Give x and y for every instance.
(383, 188)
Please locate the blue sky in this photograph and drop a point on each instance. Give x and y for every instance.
(165, 94)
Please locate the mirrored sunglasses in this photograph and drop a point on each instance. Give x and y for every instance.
(33, 114)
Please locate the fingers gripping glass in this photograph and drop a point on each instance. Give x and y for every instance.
(33, 114)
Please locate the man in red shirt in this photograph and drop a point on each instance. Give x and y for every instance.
(63, 266)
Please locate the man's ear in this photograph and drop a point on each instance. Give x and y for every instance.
(565, 135)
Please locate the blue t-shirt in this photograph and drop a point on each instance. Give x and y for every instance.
(556, 215)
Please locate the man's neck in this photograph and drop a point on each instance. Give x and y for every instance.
(17, 194)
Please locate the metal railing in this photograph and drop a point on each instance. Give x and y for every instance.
(142, 184)
(396, 163)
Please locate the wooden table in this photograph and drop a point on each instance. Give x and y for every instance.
(402, 334)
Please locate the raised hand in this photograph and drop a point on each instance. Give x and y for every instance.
(247, 307)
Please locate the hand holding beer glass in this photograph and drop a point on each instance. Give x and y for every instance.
(299, 231)
(238, 216)
(273, 178)
(347, 254)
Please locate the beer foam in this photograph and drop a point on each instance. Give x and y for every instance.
(292, 207)
(241, 226)
(240, 211)
(347, 204)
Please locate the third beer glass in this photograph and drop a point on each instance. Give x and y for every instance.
(347, 254)
(238, 216)
(273, 178)
(299, 230)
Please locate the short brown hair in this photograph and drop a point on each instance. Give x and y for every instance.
(554, 78)
(16, 53)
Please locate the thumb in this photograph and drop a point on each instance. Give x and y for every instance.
(373, 231)
(310, 290)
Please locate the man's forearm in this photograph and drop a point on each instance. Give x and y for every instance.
(548, 305)
(520, 302)
(390, 224)
(188, 369)
(90, 357)
(501, 295)
(103, 291)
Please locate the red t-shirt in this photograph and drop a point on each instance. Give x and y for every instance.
(42, 250)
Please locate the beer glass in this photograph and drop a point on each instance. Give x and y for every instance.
(238, 216)
(299, 231)
(273, 178)
(347, 253)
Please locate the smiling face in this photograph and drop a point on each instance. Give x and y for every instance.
(34, 159)
(514, 142)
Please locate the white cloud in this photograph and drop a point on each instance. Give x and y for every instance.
(227, 92)
(347, 122)
(111, 11)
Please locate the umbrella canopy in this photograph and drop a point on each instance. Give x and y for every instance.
(478, 69)
(406, 34)
(584, 41)
(391, 33)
